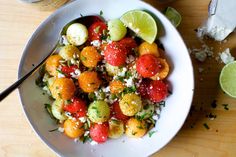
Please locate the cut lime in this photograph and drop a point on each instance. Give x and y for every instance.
(228, 79)
(142, 23)
(174, 16)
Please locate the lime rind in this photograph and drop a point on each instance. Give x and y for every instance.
(174, 16)
(142, 23)
(228, 79)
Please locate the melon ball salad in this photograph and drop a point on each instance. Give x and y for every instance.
(107, 79)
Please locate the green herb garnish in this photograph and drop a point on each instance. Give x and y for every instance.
(150, 133)
(101, 13)
(225, 106)
(206, 126)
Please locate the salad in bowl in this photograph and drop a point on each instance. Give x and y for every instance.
(121, 85)
(107, 79)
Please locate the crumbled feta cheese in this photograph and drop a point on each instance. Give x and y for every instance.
(60, 129)
(219, 33)
(226, 57)
(96, 43)
(122, 72)
(76, 73)
(64, 40)
(155, 117)
(129, 82)
(106, 90)
(68, 114)
(45, 88)
(93, 143)
(73, 61)
(82, 119)
(201, 55)
(60, 75)
(86, 133)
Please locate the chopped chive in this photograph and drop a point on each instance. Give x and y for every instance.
(53, 130)
(150, 133)
(225, 106)
(206, 126)
(101, 13)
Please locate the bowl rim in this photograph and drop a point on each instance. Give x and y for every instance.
(23, 58)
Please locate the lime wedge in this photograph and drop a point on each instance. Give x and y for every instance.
(228, 79)
(173, 15)
(142, 23)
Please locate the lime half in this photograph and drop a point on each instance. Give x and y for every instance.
(228, 79)
(174, 16)
(142, 23)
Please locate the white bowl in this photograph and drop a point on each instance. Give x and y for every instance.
(172, 116)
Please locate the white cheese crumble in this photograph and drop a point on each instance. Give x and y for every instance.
(76, 73)
(45, 88)
(82, 119)
(201, 56)
(129, 82)
(106, 90)
(226, 57)
(96, 43)
(202, 53)
(155, 117)
(60, 129)
(122, 72)
(64, 40)
(93, 143)
(60, 75)
(86, 133)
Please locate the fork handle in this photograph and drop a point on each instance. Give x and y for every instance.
(7, 91)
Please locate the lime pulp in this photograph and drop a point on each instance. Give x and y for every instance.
(142, 23)
(228, 79)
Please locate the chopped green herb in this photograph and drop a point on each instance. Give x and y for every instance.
(115, 121)
(150, 133)
(39, 82)
(145, 107)
(59, 71)
(92, 96)
(134, 133)
(48, 107)
(162, 103)
(53, 130)
(68, 102)
(141, 117)
(86, 138)
(206, 126)
(129, 90)
(101, 13)
(128, 74)
(140, 127)
(225, 106)
(113, 96)
(211, 116)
